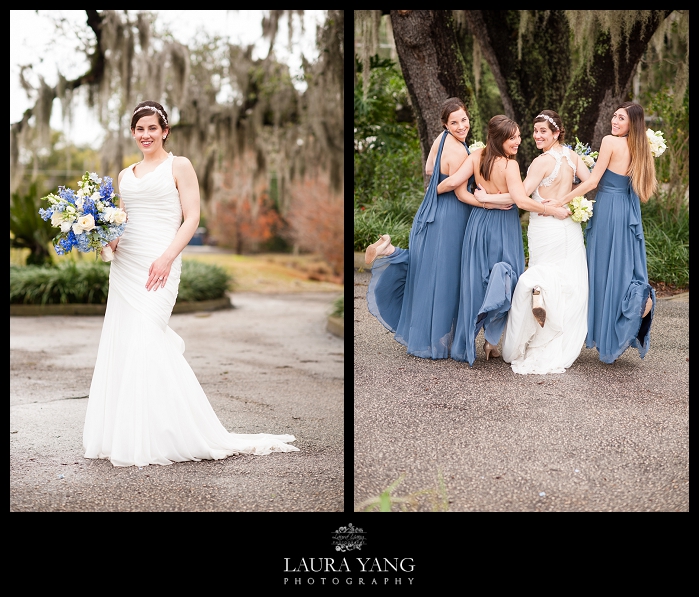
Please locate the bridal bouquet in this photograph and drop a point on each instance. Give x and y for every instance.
(581, 209)
(476, 145)
(657, 142)
(584, 150)
(88, 217)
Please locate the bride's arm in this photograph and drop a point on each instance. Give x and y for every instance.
(188, 187)
(515, 187)
(535, 174)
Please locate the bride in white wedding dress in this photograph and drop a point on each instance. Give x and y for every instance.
(146, 405)
(547, 323)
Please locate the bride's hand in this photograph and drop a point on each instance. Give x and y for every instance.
(560, 213)
(158, 273)
(551, 203)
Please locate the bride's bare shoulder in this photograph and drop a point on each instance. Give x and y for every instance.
(182, 164)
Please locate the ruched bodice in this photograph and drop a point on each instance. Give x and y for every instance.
(153, 205)
(154, 211)
(146, 405)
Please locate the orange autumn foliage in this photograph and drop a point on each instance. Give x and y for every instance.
(243, 216)
(316, 220)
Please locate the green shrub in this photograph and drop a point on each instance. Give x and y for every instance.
(667, 242)
(27, 229)
(67, 283)
(202, 281)
(87, 282)
(388, 182)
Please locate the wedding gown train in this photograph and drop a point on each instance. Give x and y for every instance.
(146, 405)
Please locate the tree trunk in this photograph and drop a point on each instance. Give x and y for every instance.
(433, 69)
(432, 66)
(593, 95)
(538, 81)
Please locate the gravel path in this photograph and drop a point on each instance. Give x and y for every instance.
(598, 438)
(268, 366)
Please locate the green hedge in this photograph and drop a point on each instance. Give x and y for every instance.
(87, 282)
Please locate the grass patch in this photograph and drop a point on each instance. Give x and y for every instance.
(434, 500)
(273, 273)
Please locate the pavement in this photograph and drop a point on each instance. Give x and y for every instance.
(267, 365)
(442, 436)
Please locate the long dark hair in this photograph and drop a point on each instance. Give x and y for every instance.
(500, 129)
(642, 167)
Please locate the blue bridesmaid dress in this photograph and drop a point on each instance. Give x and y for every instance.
(492, 260)
(617, 270)
(414, 292)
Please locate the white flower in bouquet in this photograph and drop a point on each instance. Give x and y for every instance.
(476, 145)
(88, 218)
(581, 209)
(84, 224)
(657, 142)
(589, 161)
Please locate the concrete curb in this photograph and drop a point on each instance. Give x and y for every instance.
(336, 325)
(87, 309)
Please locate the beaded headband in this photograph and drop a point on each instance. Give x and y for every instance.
(547, 118)
(150, 108)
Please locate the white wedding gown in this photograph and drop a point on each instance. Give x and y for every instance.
(558, 264)
(146, 405)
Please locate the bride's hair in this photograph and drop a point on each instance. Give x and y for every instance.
(556, 125)
(642, 168)
(500, 129)
(148, 108)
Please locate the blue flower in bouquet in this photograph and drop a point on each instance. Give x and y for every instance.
(584, 150)
(88, 218)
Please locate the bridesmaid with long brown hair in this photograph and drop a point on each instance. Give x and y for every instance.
(492, 252)
(621, 302)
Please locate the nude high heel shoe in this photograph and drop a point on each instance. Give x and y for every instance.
(537, 309)
(490, 350)
(649, 306)
(376, 249)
